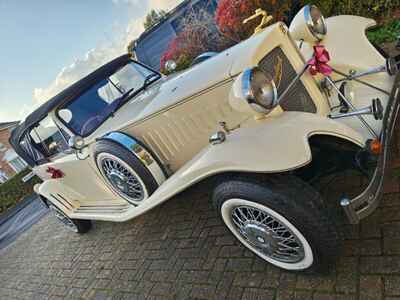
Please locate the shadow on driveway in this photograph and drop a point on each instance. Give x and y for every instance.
(20, 219)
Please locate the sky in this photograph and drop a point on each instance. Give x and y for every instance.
(46, 45)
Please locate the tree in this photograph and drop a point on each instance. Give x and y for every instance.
(230, 15)
(199, 35)
(153, 17)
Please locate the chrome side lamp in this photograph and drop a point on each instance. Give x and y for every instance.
(76, 142)
(309, 25)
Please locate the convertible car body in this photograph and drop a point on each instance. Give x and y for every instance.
(125, 138)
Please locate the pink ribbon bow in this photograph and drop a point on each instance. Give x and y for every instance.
(55, 173)
(319, 63)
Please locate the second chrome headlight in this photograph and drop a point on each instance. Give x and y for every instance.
(254, 91)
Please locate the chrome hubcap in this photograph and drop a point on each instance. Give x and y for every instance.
(260, 237)
(267, 234)
(119, 180)
(122, 179)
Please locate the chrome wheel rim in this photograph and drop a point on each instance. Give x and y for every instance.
(121, 178)
(267, 233)
(63, 218)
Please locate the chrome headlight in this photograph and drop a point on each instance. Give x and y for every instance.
(254, 91)
(309, 25)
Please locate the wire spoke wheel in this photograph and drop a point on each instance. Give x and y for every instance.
(121, 178)
(267, 233)
(63, 218)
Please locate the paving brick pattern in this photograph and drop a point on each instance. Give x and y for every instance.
(181, 250)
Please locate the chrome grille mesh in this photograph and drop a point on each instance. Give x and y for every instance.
(297, 99)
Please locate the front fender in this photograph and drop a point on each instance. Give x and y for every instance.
(274, 145)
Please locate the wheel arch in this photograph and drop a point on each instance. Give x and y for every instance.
(331, 140)
(149, 160)
(255, 149)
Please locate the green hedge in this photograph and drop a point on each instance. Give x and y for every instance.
(386, 33)
(14, 190)
(381, 10)
(385, 12)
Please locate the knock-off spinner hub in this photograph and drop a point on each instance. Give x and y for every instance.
(260, 237)
(119, 180)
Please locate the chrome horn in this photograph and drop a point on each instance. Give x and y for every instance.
(375, 109)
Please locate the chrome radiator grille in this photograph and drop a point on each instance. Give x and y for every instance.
(297, 99)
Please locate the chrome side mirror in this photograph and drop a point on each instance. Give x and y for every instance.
(76, 142)
(170, 65)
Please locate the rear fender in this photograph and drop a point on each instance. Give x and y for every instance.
(58, 194)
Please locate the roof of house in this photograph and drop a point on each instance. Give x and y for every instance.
(7, 125)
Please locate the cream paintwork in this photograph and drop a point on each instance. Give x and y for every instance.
(176, 117)
(173, 119)
(257, 147)
(359, 54)
(210, 75)
(350, 49)
(254, 49)
(82, 181)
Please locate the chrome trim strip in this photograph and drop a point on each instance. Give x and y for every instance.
(148, 160)
(65, 200)
(60, 202)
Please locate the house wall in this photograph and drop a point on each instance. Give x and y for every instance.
(4, 166)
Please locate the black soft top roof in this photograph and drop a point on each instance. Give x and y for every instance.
(66, 95)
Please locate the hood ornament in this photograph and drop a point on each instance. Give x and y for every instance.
(264, 21)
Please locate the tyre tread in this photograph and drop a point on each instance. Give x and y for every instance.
(310, 210)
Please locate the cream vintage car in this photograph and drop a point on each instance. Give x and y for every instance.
(262, 121)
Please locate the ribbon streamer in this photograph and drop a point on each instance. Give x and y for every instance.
(319, 63)
(55, 173)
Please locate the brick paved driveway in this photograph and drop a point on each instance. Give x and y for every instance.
(182, 250)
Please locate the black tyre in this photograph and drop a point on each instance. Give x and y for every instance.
(75, 225)
(123, 172)
(281, 219)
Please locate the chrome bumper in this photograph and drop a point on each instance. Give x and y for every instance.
(365, 203)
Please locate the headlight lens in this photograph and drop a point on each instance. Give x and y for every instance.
(315, 21)
(259, 90)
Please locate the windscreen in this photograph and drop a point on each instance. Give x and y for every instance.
(89, 110)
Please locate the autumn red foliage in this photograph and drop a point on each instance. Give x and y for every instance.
(203, 32)
(230, 15)
(199, 35)
(185, 47)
